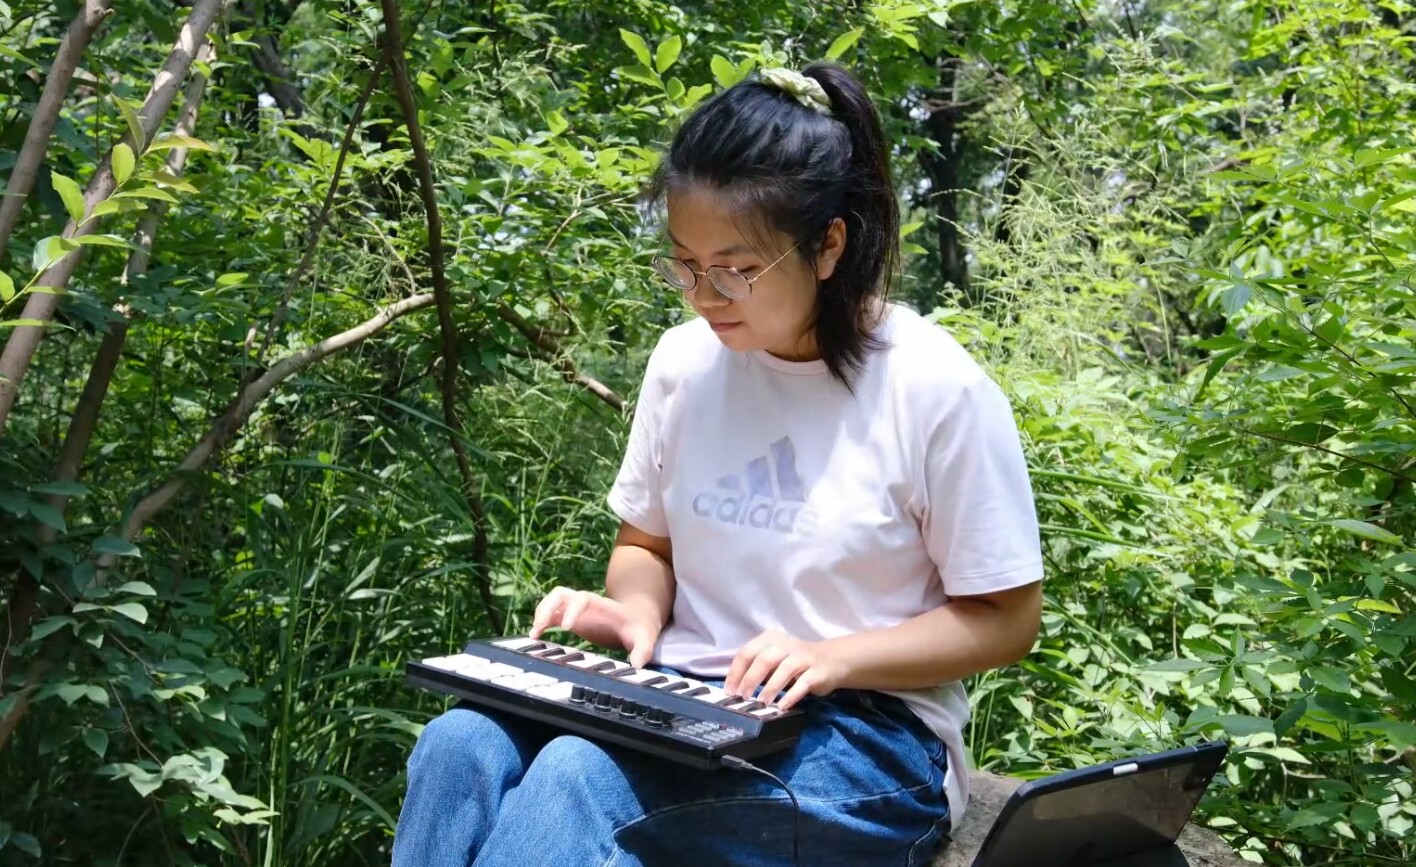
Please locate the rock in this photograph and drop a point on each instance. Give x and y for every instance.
(989, 792)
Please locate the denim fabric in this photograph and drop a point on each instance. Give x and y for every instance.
(491, 790)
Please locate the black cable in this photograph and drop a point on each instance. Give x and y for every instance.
(735, 762)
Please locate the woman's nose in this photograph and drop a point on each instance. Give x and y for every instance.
(707, 297)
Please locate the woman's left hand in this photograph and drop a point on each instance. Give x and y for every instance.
(784, 663)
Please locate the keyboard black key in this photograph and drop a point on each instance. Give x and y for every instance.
(697, 690)
(676, 686)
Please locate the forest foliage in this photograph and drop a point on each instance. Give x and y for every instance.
(322, 324)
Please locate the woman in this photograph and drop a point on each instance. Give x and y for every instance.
(823, 503)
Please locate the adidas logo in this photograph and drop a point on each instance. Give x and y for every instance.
(769, 495)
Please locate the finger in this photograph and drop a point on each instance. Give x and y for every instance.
(641, 646)
(786, 671)
(805, 682)
(574, 607)
(546, 611)
(744, 658)
(765, 663)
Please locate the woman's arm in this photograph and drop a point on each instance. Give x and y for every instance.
(967, 635)
(640, 575)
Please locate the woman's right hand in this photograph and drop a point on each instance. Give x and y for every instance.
(599, 620)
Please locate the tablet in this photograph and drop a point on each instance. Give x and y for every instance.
(1124, 812)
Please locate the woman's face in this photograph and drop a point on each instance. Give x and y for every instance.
(777, 316)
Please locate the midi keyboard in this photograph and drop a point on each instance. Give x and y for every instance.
(673, 717)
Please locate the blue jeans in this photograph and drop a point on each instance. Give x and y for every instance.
(491, 790)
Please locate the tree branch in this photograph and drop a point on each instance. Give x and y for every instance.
(241, 408)
(404, 92)
(549, 351)
(46, 114)
(317, 227)
(40, 306)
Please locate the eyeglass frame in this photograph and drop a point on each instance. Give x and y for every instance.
(708, 272)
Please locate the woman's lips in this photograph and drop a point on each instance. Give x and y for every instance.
(720, 327)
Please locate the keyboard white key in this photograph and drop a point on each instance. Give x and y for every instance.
(766, 712)
(558, 691)
(524, 680)
(518, 643)
(489, 672)
(467, 663)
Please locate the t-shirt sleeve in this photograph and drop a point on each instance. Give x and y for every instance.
(637, 493)
(980, 520)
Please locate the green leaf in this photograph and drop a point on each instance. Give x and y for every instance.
(1241, 725)
(27, 844)
(96, 740)
(1366, 531)
(1234, 298)
(1178, 665)
(557, 122)
(63, 489)
(69, 191)
(723, 71)
(1290, 717)
(7, 287)
(139, 588)
(71, 692)
(843, 43)
(49, 515)
(50, 250)
(641, 74)
(103, 241)
(122, 162)
(133, 611)
(148, 193)
(637, 44)
(1214, 366)
(50, 625)
(667, 53)
(115, 545)
(168, 142)
(135, 126)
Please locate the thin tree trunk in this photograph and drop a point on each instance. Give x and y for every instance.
(24, 599)
(470, 490)
(943, 171)
(46, 114)
(24, 339)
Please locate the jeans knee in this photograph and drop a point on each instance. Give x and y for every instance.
(463, 738)
(570, 763)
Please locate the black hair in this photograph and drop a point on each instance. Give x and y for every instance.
(785, 166)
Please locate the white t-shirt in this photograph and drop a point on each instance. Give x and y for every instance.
(794, 505)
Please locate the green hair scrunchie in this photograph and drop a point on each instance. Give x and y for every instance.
(806, 90)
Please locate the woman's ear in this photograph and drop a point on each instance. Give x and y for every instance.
(832, 246)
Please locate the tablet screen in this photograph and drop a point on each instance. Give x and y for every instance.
(1107, 817)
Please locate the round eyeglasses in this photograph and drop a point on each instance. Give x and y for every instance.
(730, 282)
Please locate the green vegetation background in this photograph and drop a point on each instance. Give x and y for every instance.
(1180, 234)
